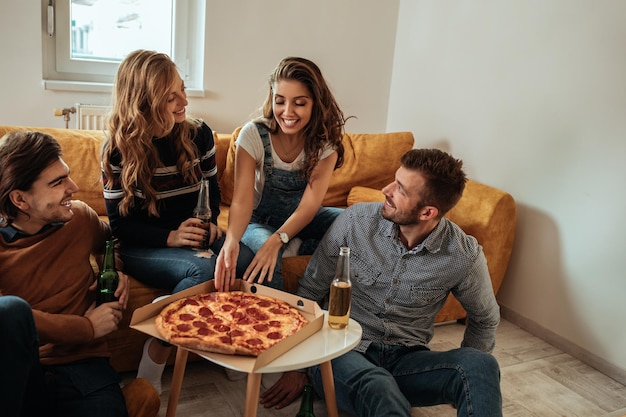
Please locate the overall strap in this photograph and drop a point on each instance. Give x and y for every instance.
(268, 162)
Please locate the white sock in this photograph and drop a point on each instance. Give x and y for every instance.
(149, 369)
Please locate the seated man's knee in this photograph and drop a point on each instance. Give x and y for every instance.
(478, 365)
(18, 310)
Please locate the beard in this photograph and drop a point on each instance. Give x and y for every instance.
(400, 217)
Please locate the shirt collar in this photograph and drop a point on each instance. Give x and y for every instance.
(432, 243)
(10, 233)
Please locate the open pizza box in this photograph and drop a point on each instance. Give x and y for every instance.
(143, 321)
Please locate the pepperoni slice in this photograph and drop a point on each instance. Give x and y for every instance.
(238, 314)
(274, 335)
(228, 307)
(222, 328)
(236, 333)
(257, 314)
(205, 331)
(205, 312)
(254, 341)
(186, 317)
(200, 324)
(274, 323)
(190, 302)
(264, 303)
(183, 327)
(261, 327)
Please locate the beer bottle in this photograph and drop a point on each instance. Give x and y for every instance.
(340, 292)
(108, 277)
(306, 407)
(203, 212)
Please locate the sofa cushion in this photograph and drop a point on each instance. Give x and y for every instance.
(227, 182)
(370, 160)
(367, 161)
(364, 195)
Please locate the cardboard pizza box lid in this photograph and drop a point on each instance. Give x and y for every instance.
(143, 321)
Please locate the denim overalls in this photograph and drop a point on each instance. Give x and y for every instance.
(282, 193)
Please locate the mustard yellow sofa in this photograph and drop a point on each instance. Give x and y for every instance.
(370, 163)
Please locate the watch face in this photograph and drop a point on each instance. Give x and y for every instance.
(283, 237)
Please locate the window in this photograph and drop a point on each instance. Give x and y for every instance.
(85, 40)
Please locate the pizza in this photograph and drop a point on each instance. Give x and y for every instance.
(236, 322)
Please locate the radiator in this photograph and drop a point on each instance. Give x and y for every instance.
(91, 117)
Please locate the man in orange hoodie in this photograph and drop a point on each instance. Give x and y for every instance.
(46, 240)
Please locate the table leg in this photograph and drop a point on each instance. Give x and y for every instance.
(329, 389)
(177, 381)
(253, 386)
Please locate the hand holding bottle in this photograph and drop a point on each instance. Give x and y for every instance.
(203, 213)
(108, 279)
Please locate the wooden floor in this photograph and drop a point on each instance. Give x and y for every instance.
(538, 380)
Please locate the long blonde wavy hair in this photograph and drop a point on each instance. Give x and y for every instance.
(142, 88)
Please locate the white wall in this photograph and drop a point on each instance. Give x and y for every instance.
(352, 41)
(532, 96)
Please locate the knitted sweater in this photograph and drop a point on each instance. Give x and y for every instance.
(176, 199)
(52, 272)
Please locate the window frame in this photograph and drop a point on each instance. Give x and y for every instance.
(188, 47)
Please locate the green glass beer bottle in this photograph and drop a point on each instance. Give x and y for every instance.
(108, 277)
(306, 407)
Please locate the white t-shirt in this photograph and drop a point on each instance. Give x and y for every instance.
(250, 140)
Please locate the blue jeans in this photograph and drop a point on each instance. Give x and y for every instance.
(177, 269)
(86, 388)
(389, 380)
(256, 235)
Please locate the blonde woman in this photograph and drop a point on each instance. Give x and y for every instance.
(152, 164)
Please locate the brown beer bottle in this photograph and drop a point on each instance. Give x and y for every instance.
(108, 278)
(203, 212)
(340, 292)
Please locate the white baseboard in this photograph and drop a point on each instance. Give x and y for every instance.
(610, 370)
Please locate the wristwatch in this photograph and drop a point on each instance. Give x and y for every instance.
(284, 237)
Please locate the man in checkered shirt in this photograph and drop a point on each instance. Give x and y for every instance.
(405, 259)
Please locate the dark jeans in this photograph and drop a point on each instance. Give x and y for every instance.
(388, 380)
(80, 389)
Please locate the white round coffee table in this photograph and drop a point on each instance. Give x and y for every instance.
(320, 348)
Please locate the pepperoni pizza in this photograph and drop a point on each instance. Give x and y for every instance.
(234, 322)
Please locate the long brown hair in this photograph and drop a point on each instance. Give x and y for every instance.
(139, 99)
(327, 120)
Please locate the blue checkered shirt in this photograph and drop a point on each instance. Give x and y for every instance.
(396, 292)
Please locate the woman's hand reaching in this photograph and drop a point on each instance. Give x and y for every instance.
(264, 262)
(226, 265)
